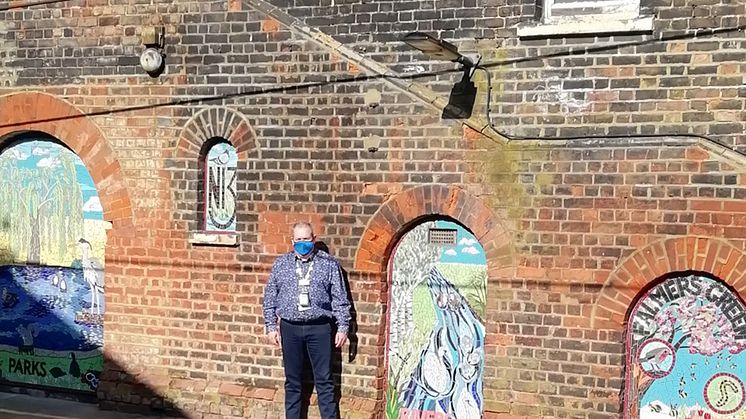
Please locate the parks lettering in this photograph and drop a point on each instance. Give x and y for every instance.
(26, 367)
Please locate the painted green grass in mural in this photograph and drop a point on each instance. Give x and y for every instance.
(470, 280)
(41, 370)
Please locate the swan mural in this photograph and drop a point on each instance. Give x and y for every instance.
(436, 335)
(52, 237)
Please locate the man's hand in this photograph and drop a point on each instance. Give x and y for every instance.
(340, 340)
(274, 338)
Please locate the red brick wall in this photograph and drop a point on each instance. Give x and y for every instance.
(574, 228)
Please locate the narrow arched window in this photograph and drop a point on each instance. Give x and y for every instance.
(221, 162)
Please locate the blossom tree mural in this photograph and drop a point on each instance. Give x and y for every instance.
(684, 332)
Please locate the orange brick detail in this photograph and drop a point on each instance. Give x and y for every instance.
(644, 267)
(270, 25)
(407, 206)
(35, 111)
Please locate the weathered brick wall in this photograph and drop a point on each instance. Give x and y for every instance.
(672, 81)
(185, 320)
(582, 211)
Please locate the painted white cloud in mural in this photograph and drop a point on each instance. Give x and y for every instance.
(17, 154)
(470, 250)
(48, 162)
(93, 204)
(467, 242)
(84, 187)
(38, 151)
(661, 411)
(451, 252)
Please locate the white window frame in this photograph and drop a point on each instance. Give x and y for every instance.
(615, 16)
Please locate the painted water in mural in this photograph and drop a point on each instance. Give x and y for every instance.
(52, 238)
(436, 333)
(221, 170)
(686, 355)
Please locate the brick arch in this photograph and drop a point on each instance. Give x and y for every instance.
(635, 274)
(408, 207)
(36, 111)
(215, 122)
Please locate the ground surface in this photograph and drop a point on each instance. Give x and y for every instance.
(16, 406)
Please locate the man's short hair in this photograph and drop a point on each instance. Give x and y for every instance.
(303, 224)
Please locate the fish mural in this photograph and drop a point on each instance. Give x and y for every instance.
(436, 335)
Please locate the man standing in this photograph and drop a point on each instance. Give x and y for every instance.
(307, 293)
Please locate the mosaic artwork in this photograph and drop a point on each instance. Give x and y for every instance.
(220, 172)
(52, 237)
(436, 332)
(685, 355)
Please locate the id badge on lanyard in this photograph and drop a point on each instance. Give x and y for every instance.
(304, 286)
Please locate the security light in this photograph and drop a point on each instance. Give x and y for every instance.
(436, 48)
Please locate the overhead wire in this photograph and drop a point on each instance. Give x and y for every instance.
(356, 79)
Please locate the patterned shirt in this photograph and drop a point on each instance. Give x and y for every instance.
(328, 294)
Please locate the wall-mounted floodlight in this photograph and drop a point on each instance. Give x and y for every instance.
(463, 94)
(436, 48)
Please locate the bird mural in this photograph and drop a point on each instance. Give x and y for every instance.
(93, 273)
(447, 379)
(74, 369)
(654, 358)
(58, 281)
(222, 158)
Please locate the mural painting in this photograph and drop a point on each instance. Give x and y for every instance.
(435, 353)
(52, 238)
(685, 354)
(220, 177)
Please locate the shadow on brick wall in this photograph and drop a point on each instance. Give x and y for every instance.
(51, 341)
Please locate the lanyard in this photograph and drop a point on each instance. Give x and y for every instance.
(304, 283)
(303, 280)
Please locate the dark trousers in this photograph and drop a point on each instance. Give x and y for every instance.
(315, 340)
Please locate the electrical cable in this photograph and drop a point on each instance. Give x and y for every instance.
(357, 79)
(510, 137)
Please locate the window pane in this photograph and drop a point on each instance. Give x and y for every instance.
(577, 8)
(220, 184)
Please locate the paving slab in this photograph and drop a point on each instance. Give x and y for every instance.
(20, 406)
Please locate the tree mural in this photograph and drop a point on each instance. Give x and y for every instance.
(415, 258)
(45, 204)
(685, 331)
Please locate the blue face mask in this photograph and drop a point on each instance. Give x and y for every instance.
(303, 248)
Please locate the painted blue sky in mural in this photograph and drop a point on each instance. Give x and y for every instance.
(467, 249)
(693, 371)
(45, 155)
(223, 154)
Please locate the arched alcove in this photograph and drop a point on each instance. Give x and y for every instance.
(435, 322)
(686, 336)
